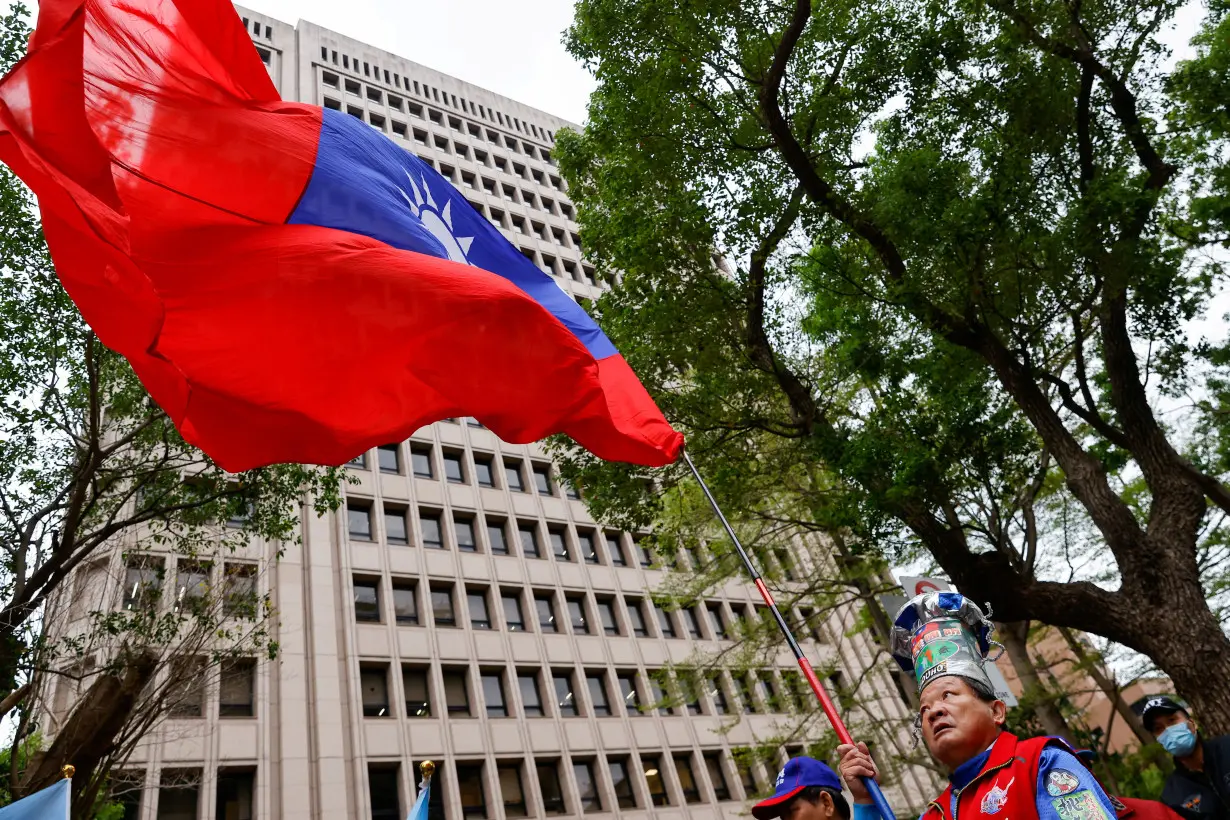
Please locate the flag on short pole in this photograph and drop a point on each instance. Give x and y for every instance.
(52, 803)
(289, 284)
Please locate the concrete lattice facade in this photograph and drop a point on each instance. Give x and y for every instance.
(366, 645)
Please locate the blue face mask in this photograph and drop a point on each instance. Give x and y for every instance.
(1179, 739)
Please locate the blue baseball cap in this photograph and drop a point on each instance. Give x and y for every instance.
(799, 773)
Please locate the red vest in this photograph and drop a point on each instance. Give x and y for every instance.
(1005, 788)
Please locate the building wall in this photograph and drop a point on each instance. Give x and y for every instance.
(313, 751)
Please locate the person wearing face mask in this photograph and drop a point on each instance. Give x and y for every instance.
(1199, 787)
(943, 639)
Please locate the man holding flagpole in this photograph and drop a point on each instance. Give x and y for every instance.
(943, 638)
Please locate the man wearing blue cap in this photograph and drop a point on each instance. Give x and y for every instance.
(805, 789)
(1199, 787)
(943, 638)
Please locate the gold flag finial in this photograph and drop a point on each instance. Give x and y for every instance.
(68, 772)
(428, 769)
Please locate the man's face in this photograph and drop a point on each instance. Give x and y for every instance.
(956, 723)
(800, 809)
(1160, 723)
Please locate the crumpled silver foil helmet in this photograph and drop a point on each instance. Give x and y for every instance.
(937, 634)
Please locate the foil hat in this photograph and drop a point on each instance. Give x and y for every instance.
(938, 634)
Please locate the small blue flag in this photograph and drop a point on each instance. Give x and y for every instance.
(419, 810)
(50, 804)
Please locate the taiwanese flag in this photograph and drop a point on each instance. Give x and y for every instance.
(289, 284)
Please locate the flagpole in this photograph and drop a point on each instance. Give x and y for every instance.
(826, 703)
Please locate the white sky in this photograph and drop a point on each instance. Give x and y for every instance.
(512, 48)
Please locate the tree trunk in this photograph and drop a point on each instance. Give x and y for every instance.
(1108, 686)
(1015, 637)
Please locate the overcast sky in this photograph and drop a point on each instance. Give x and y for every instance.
(514, 48)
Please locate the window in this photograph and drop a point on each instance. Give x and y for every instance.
(496, 540)
(405, 603)
(542, 479)
(453, 471)
(636, 618)
(433, 537)
(420, 459)
(484, 473)
(514, 618)
(606, 615)
(687, 779)
(629, 693)
(512, 476)
(717, 775)
(480, 615)
(587, 787)
(529, 540)
(239, 591)
(395, 531)
(463, 529)
(236, 688)
(545, 607)
(374, 683)
(615, 550)
(366, 601)
(531, 695)
(186, 689)
(717, 621)
(690, 692)
(234, 794)
(390, 458)
(552, 793)
(470, 786)
(643, 554)
(418, 698)
(599, 700)
(576, 614)
(192, 586)
(559, 545)
(359, 519)
(692, 622)
(745, 694)
(569, 490)
(717, 695)
(142, 583)
(565, 695)
(360, 460)
(589, 547)
(179, 794)
(456, 693)
(787, 563)
(625, 796)
(665, 622)
(747, 774)
(493, 694)
(657, 680)
(651, 766)
(511, 790)
(382, 790)
(768, 692)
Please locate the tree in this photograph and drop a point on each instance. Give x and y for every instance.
(89, 462)
(967, 240)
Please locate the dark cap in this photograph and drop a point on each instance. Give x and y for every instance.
(1155, 705)
(799, 773)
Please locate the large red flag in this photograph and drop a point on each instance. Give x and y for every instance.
(289, 284)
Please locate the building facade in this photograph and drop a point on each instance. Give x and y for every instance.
(463, 607)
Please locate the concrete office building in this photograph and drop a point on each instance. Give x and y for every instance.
(464, 607)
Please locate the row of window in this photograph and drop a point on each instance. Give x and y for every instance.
(179, 793)
(589, 546)
(187, 695)
(430, 93)
(484, 469)
(608, 615)
(144, 577)
(599, 782)
(554, 693)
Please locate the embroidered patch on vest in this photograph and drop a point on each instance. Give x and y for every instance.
(1192, 803)
(1060, 782)
(995, 799)
(1080, 805)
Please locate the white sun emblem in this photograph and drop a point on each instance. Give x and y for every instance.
(439, 223)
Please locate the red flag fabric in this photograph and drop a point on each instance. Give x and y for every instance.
(289, 285)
